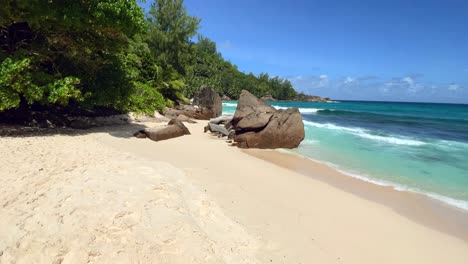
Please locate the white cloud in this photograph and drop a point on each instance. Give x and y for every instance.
(323, 81)
(408, 80)
(349, 80)
(226, 45)
(402, 88)
(453, 87)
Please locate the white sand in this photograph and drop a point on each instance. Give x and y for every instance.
(107, 197)
(68, 199)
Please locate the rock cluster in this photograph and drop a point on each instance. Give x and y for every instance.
(268, 98)
(258, 125)
(221, 126)
(206, 104)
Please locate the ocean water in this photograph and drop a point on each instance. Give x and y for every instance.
(416, 147)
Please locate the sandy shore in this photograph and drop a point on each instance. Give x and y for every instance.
(105, 197)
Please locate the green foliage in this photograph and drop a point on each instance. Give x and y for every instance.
(109, 53)
(66, 43)
(144, 99)
(209, 68)
(170, 30)
(18, 81)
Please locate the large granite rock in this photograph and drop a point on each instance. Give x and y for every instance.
(206, 105)
(184, 118)
(251, 113)
(259, 125)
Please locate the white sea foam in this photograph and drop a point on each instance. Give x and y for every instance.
(393, 140)
(334, 127)
(460, 204)
(310, 141)
(365, 134)
(398, 187)
(302, 110)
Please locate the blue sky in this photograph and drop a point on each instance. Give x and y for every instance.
(358, 50)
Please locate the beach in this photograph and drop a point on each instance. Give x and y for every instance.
(103, 196)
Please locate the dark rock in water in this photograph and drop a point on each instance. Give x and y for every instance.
(258, 125)
(175, 128)
(310, 98)
(251, 113)
(268, 98)
(185, 118)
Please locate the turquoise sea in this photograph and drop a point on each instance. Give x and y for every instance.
(417, 147)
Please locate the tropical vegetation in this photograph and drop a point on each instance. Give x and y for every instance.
(113, 53)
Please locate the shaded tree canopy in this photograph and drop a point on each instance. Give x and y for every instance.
(111, 53)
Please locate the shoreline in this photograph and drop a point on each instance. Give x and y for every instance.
(299, 218)
(419, 207)
(459, 205)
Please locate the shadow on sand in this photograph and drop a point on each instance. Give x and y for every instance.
(120, 131)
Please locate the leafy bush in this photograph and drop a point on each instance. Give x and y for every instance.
(109, 53)
(18, 82)
(144, 99)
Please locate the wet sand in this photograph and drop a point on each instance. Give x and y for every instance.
(417, 207)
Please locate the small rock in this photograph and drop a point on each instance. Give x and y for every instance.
(184, 118)
(140, 134)
(231, 134)
(218, 128)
